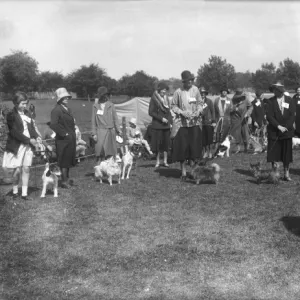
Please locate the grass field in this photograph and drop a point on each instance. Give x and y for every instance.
(154, 237)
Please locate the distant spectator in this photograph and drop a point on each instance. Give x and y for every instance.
(159, 110)
(135, 137)
(222, 106)
(208, 123)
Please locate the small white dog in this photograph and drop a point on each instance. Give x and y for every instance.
(296, 142)
(127, 162)
(108, 168)
(50, 177)
(224, 147)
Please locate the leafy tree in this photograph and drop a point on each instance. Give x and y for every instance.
(289, 73)
(243, 80)
(263, 78)
(139, 84)
(217, 73)
(50, 81)
(19, 72)
(85, 80)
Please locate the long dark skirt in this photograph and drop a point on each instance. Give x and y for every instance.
(280, 150)
(160, 140)
(187, 144)
(207, 135)
(66, 151)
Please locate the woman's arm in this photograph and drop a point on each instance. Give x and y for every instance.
(175, 104)
(271, 115)
(55, 125)
(152, 111)
(14, 131)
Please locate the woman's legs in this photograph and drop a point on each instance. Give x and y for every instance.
(286, 172)
(25, 180)
(157, 159)
(16, 180)
(166, 158)
(183, 169)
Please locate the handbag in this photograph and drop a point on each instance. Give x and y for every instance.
(175, 127)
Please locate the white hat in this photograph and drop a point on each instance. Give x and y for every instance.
(133, 121)
(119, 139)
(61, 93)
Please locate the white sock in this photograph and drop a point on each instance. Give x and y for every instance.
(15, 189)
(24, 190)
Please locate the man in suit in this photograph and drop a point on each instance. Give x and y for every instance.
(281, 118)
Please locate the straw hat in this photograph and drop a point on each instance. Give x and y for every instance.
(132, 121)
(62, 93)
(277, 86)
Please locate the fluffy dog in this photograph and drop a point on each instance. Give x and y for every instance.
(296, 142)
(224, 147)
(50, 177)
(211, 172)
(108, 168)
(271, 176)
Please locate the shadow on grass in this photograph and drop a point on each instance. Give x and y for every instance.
(244, 172)
(31, 190)
(169, 172)
(292, 224)
(295, 172)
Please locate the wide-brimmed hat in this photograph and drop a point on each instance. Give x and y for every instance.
(277, 86)
(62, 93)
(224, 88)
(238, 96)
(187, 76)
(101, 91)
(202, 90)
(132, 121)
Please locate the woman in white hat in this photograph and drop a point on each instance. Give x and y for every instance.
(63, 124)
(281, 117)
(105, 125)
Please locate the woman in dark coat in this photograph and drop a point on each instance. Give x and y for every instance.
(281, 117)
(208, 123)
(296, 99)
(63, 124)
(159, 110)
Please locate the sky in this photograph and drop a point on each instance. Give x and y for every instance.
(161, 37)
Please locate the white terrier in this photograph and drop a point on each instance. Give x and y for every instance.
(127, 162)
(108, 168)
(50, 177)
(224, 147)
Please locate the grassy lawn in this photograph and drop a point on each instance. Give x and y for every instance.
(154, 237)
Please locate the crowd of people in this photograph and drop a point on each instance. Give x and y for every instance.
(188, 127)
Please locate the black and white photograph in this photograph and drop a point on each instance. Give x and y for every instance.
(149, 150)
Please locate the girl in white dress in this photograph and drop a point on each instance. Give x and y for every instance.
(22, 138)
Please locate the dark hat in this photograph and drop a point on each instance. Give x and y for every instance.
(202, 90)
(258, 93)
(277, 86)
(238, 96)
(187, 76)
(224, 88)
(102, 90)
(162, 86)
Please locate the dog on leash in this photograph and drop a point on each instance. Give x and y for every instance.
(127, 162)
(50, 177)
(270, 176)
(108, 168)
(224, 147)
(202, 172)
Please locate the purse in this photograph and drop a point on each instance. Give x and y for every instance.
(175, 127)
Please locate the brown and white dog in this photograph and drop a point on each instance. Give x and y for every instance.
(50, 177)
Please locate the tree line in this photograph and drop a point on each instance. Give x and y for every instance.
(19, 71)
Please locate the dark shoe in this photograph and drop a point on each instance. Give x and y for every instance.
(183, 178)
(15, 196)
(287, 178)
(166, 165)
(26, 198)
(65, 185)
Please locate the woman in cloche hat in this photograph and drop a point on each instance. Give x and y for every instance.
(281, 118)
(63, 124)
(105, 125)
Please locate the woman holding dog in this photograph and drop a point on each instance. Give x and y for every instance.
(281, 118)
(63, 124)
(208, 123)
(159, 110)
(22, 138)
(105, 125)
(187, 106)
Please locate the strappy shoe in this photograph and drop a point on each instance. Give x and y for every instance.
(287, 178)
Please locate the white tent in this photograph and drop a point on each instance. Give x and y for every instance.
(135, 108)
